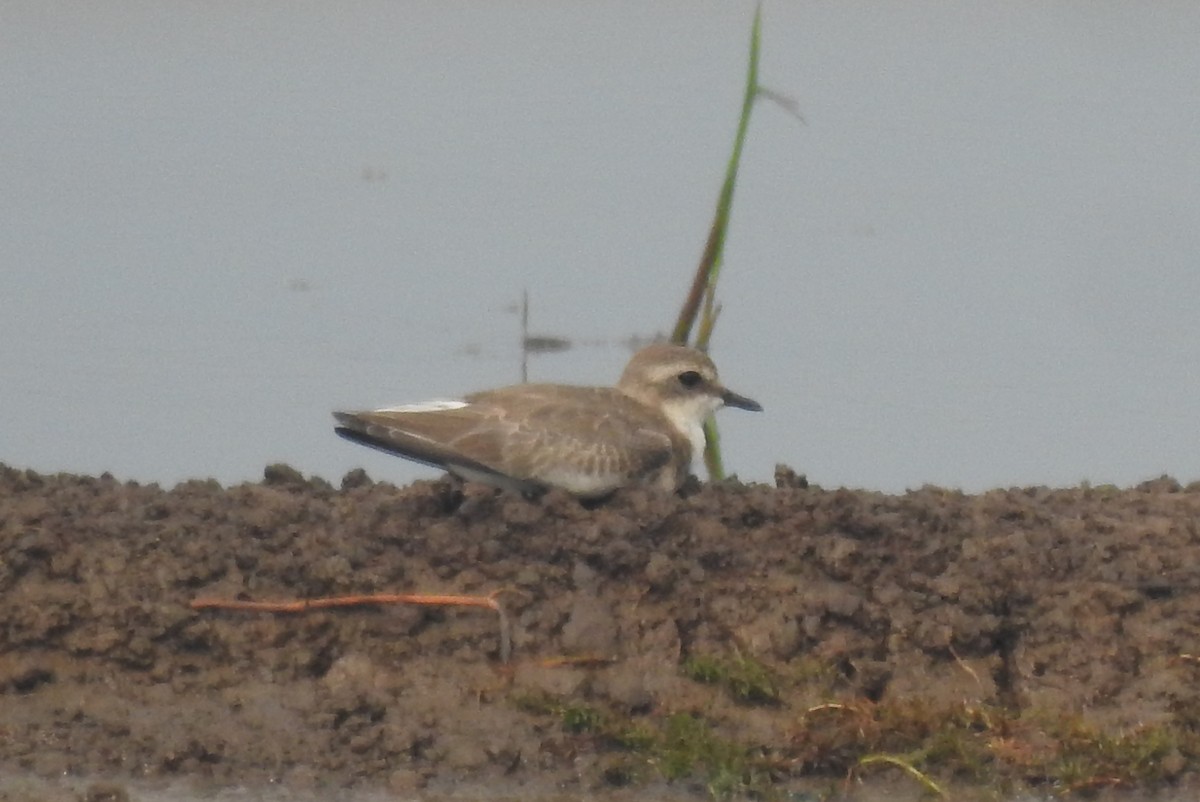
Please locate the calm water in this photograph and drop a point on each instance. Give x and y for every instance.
(977, 264)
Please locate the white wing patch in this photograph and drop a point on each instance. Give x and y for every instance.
(438, 405)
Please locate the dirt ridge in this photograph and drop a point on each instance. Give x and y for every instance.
(1079, 600)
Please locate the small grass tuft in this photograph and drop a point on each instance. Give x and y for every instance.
(746, 680)
(579, 718)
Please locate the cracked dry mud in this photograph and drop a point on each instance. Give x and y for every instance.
(1079, 600)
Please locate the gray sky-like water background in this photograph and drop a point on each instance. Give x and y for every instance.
(976, 263)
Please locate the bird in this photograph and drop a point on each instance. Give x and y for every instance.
(589, 441)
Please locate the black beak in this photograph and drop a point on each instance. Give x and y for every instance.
(732, 399)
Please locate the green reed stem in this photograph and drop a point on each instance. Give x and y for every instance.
(704, 284)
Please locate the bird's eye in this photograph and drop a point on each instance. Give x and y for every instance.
(689, 378)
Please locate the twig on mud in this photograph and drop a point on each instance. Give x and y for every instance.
(909, 768)
(962, 664)
(1092, 784)
(490, 602)
(829, 706)
(581, 661)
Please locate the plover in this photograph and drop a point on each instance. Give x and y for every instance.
(587, 440)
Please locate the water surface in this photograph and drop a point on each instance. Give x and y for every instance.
(975, 265)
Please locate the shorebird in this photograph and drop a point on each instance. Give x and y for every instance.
(588, 441)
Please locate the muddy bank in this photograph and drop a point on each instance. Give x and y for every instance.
(778, 633)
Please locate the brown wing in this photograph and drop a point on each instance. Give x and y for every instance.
(589, 440)
(455, 440)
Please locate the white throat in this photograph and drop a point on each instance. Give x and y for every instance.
(687, 416)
